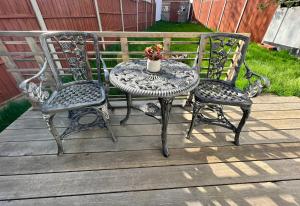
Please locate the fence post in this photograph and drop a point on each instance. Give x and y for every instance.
(241, 16)
(151, 12)
(122, 14)
(38, 14)
(34, 48)
(189, 10)
(222, 14)
(231, 72)
(146, 13)
(39, 58)
(43, 27)
(124, 48)
(99, 21)
(286, 11)
(10, 64)
(137, 15)
(167, 43)
(209, 12)
(200, 9)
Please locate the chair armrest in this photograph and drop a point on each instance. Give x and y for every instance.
(34, 90)
(256, 82)
(195, 68)
(106, 76)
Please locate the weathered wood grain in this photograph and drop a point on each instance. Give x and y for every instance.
(62, 121)
(106, 181)
(265, 193)
(145, 158)
(82, 143)
(154, 129)
(259, 107)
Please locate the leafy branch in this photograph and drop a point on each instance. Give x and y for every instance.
(282, 3)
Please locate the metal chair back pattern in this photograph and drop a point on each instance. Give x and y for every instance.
(220, 56)
(71, 48)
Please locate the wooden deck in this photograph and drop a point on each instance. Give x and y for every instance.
(206, 170)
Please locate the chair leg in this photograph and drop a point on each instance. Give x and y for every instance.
(104, 111)
(49, 120)
(246, 113)
(189, 101)
(109, 105)
(196, 108)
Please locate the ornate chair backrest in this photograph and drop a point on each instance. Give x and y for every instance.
(220, 56)
(69, 51)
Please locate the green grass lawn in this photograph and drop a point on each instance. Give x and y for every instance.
(10, 112)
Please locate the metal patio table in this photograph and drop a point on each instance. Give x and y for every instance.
(174, 79)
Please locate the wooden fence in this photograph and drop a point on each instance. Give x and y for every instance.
(241, 16)
(83, 15)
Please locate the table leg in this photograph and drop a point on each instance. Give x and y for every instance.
(129, 105)
(166, 105)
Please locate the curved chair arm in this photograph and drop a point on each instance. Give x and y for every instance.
(256, 85)
(35, 90)
(196, 68)
(106, 73)
(106, 77)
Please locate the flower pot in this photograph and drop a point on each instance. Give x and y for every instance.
(153, 66)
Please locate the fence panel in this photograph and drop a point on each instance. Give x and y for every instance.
(231, 15)
(69, 14)
(142, 17)
(204, 11)
(225, 15)
(8, 86)
(110, 13)
(215, 14)
(130, 17)
(256, 21)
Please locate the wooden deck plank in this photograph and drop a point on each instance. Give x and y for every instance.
(265, 193)
(145, 158)
(107, 181)
(151, 129)
(273, 99)
(207, 170)
(144, 119)
(78, 145)
(176, 109)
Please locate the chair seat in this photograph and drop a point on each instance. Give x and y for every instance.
(76, 95)
(220, 92)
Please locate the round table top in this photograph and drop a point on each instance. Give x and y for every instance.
(174, 78)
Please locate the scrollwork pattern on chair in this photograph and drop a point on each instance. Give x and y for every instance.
(74, 50)
(220, 50)
(35, 90)
(256, 82)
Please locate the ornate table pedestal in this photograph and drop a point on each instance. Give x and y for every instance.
(174, 79)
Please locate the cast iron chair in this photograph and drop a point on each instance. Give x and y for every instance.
(82, 95)
(220, 57)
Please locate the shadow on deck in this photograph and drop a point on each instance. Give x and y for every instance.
(205, 170)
